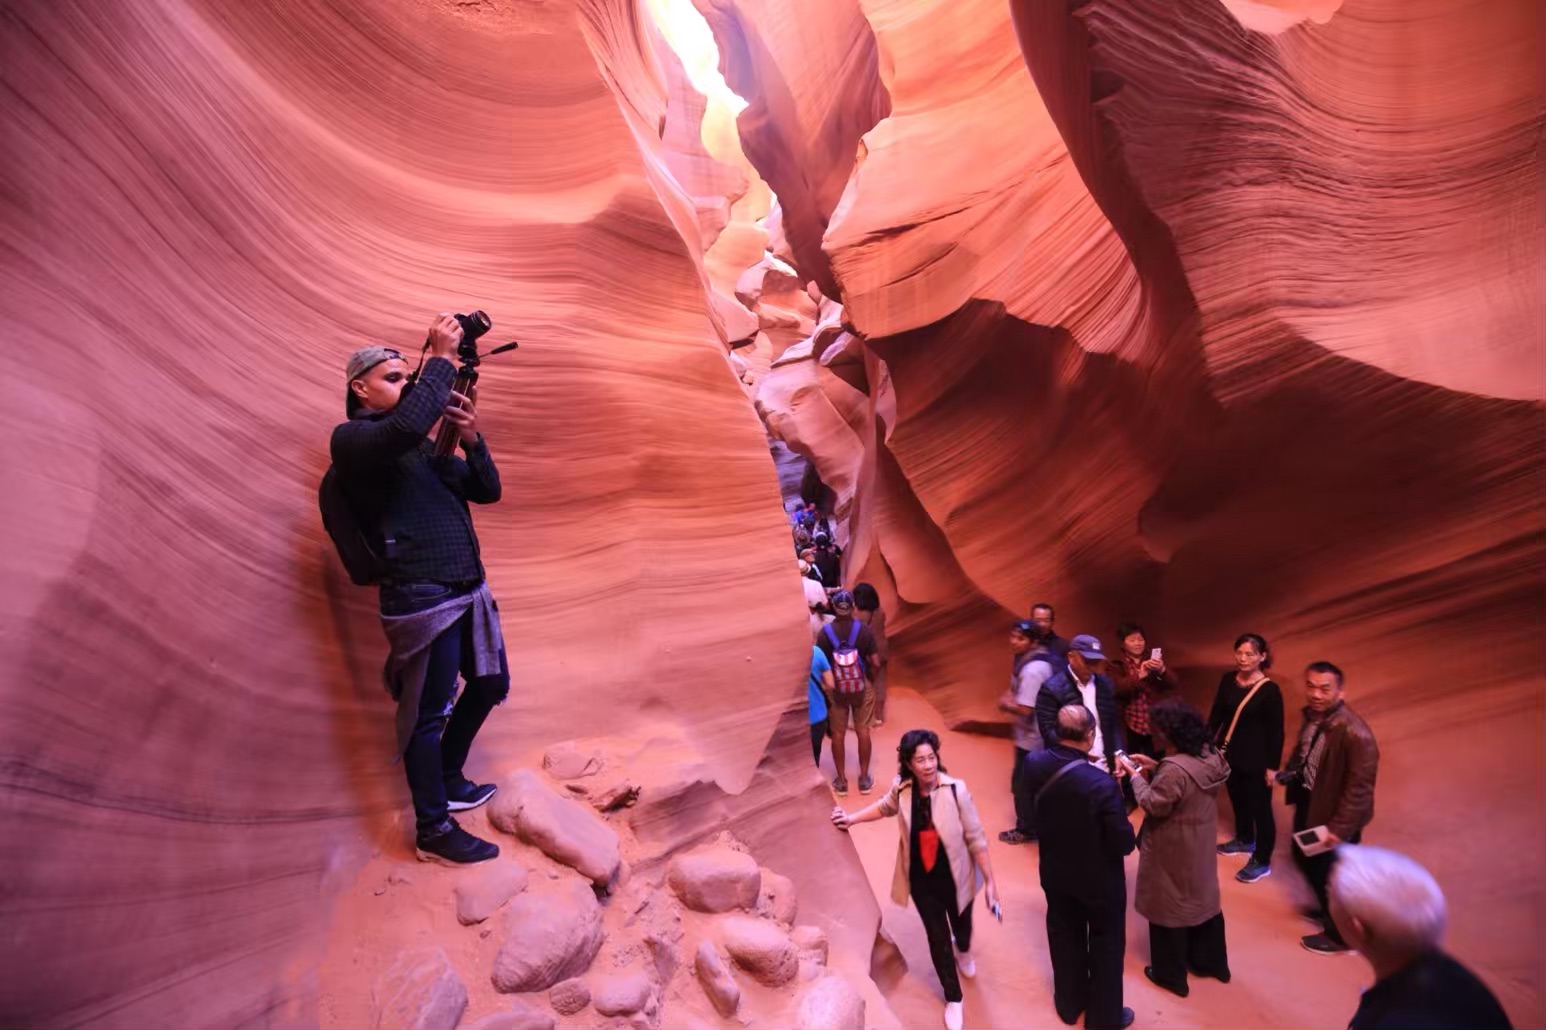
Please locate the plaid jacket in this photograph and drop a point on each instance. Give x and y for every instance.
(388, 470)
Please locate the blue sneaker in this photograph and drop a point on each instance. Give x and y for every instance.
(1254, 871)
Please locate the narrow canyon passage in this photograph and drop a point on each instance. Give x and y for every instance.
(1219, 315)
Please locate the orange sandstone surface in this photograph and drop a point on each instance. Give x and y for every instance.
(1221, 316)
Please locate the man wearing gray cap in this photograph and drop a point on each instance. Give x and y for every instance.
(1083, 683)
(410, 506)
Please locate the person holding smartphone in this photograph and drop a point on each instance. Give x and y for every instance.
(941, 860)
(1140, 678)
(1178, 873)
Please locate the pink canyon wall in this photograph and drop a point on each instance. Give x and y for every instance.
(1220, 317)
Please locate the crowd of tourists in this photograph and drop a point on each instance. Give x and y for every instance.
(1098, 738)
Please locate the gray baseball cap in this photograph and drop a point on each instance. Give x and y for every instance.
(360, 362)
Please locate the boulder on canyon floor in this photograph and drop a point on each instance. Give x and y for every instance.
(420, 991)
(715, 978)
(761, 947)
(830, 1003)
(564, 830)
(483, 890)
(550, 936)
(715, 879)
(622, 994)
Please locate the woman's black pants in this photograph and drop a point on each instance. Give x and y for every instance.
(1173, 950)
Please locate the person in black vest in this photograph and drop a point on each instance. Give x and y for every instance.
(1043, 616)
(829, 559)
(1390, 909)
(436, 609)
(1082, 825)
(1083, 682)
(1247, 725)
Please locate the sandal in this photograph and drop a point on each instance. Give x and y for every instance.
(840, 787)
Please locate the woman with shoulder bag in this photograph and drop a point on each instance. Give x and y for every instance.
(1178, 875)
(1247, 724)
(941, 861)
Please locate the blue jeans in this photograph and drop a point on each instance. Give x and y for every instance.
(443, 732)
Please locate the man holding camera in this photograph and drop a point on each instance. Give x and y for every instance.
(436, 609)
(1330, 783)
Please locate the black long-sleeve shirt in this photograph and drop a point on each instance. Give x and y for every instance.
(1258, 741)
(416, 501)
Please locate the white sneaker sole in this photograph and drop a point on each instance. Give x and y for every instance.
(467, 806)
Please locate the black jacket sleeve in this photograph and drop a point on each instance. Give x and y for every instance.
(477, 478)
(1272, 724)
(1116, 832)
(373, 441)
(1047, 705)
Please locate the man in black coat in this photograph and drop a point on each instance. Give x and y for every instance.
(1083, 683)
(1082, 824)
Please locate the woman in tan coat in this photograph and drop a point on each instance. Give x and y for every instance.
(941, 859)
(1178, 876)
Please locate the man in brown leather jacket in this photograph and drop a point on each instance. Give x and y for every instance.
(1330, 781)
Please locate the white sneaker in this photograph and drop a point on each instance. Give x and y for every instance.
(966, 964)
(952, 1015)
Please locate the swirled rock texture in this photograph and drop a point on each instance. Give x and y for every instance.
(1222, 316)
(1217, 316)
(207, 207)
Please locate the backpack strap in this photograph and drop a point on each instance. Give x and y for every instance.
(853, 636)
(827, 629)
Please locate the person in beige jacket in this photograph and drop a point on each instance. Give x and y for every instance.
(941, 860)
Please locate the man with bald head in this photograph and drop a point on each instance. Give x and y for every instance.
(1082, 824)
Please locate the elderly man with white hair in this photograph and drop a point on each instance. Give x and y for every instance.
(1391, 910)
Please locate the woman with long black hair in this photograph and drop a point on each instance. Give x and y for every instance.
(941, 860)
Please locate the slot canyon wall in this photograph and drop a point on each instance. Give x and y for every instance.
(1219, 316)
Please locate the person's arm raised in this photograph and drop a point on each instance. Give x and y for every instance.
(371, 441)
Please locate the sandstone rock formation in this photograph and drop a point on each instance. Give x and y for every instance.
(420, 991)
(485, 889)
(623, 995)
(761, 948)
(569, 996)
(1207, 275)
(715, 978)
(522, 1015)
(567, 831)
(1217, 315)
(550, 935)
(830, 1003)
(715, 879)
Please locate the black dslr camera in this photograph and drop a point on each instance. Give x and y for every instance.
(473, 326)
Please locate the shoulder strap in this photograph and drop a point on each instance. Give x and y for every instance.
(1062, 770)
(853, 633)
(831, 636)
(1236, 720)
